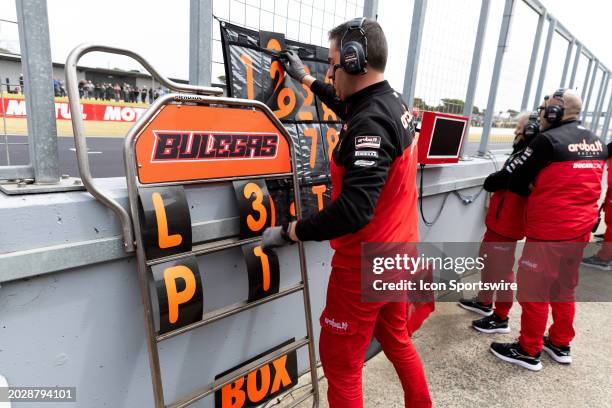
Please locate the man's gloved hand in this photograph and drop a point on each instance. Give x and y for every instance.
(293, 65)
(274, 237)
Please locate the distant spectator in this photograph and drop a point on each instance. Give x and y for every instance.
(21, 81)
(8, 86)
(109, 92)
(62, 88)
(82, 88)
(97, 91)
(117, 90)
(56, 87)
(134, 94)
(151, 95)
(143, 94)
(89, 89)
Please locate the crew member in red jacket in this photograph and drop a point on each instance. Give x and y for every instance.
(505, 226)
(561, 172)
(373, 171)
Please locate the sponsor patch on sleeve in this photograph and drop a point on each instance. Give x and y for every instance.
(364, 163)
(366, 153)
(367, 142)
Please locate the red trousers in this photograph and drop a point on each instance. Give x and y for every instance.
(606, 247)
(347, 326)
(547, 276)
(498, 266)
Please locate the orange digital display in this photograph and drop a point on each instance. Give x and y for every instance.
(187, 142)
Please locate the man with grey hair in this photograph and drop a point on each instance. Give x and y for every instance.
(505, 226)
(560, 172)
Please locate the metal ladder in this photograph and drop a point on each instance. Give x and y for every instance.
(133, 238)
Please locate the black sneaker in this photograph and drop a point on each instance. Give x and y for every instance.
(513, 353)
(596, 262)
(561, 354)
(491, 324)
(473, 305)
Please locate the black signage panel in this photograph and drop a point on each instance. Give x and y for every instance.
(178, 285)
(261, 384)
(165, 221)
(255, 207)
(263, 270)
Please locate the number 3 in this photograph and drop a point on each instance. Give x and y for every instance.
(256, 224)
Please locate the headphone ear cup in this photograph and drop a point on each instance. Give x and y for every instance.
(531, 130)
(352, 58)
(554, 114)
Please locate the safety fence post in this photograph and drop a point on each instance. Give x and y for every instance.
(412, 60)
(502, 45)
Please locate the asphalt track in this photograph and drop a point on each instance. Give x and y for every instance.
(105, 155)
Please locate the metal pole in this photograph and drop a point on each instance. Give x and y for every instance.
(412, 60)
(585, 111)
(532, 61)
(502, 44)
(370, 9)
(605, 79)
(606, 125)
(6, 146)
(475, 68)
(551, 31)
(38, 84)
(575, 68)
(200, 42)
(568, 55)
(585, 85)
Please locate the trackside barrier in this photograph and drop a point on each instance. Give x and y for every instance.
(160, 221)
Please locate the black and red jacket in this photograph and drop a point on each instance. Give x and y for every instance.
(506, 214)
(565, 164)
(373, 173)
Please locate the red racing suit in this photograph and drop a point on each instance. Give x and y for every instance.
(505, 226)
(565, 166)
(374, 200)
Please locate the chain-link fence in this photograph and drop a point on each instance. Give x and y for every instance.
(301, 20)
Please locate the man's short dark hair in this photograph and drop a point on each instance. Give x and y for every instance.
(377, 42)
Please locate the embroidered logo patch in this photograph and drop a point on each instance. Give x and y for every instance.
(366, 153)
(364, 163)
(367, 142)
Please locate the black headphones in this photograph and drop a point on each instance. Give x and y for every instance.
(354, 54)
(554, 113)
(532, 127)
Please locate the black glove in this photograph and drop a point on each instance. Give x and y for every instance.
(274, 237)
(293, 65)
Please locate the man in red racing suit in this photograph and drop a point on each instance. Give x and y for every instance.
(560, 172)
(505, 226)
(374, 200)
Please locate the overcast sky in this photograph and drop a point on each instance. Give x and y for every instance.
(159, 30)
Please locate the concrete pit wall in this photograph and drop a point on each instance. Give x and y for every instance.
(70, 308)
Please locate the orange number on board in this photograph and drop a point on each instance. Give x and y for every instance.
(248, 63)
(265, 266)
(332, 141)
(256, 223)
(312, 133)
